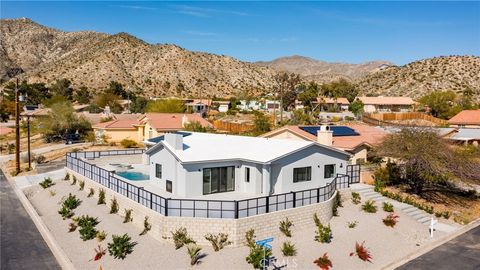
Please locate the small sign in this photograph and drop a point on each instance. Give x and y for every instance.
(264, 241)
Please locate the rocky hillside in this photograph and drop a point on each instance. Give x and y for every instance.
(93, 59)
(321, 71)
(422, 77)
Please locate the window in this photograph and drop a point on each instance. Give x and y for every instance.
(302, 174)
(220, 179)
(329, 171)
(247, 174)
(158, 170)
(168, 186)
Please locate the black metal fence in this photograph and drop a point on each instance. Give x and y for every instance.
(77, 161)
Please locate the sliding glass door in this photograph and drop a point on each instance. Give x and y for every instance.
(220, 179)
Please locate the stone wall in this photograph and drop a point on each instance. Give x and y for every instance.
(265, 225)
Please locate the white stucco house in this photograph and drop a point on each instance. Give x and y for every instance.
(197, 164)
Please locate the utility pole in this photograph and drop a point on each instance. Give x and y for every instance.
(17, 129)
(28, 142)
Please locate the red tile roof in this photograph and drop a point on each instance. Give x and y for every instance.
(6, 130)
(387, 100)
(327, 100)
(172, 121)
(118, 124)
(466, 117)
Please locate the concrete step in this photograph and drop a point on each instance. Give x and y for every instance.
(369, 192)
(402, 206)
(409, 209)
(415, 212)
(420, 215)
(424, 220)
(381, 200)
(361, 189)
(374, 197)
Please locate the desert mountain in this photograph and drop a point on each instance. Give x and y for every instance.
(321, 71)
(93, 59)
(416, 79)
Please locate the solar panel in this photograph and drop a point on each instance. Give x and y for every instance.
(337, 130)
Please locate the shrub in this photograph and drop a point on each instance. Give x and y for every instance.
(390, 220)
(387, 207)
(194, 253)
(65, 212)
(52, 193)
(218, 241)
(146, 226)
(362, 252)
(288, 249)
(336, 203)
(91, 192)
(81, 184)
(181, 238)
(446, 214)
(101, 235)
(323, 234)
(114, 206)
(71, 201)
(72, 226)
(74, 181)
(250, 238)
(99, 253)
(87, 232)
(128, 143)
(323, 262)
(101, 196)
(40, 159)
(121, 246)
(356, 198)
(128, 216)
(86, 220)
(352, 224)
(438, 214)
(285, 226)
(46, 183)
(67, 177)
(369, 207)
(257, 255)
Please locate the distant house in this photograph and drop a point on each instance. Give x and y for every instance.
(332, 104)
(271, 105)
(201, 164)
(146, 126)
(466, 136)
(355, 139)
(200, 106)
(387, 104)
(466, 118)
(223, 106)
(249, 105)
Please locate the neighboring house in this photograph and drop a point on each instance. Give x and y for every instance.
(355, 139)
(223, 106)
(198, 164)
(155, 124)
(466, 118)
(249, 105)
(387, 104)
(117, 130)
(299, 105)
(271, 105)
(200, 106)
(332, 104)
(466, 136)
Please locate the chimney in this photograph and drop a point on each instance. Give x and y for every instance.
(184, 120)
(325, 135)
(174, 140)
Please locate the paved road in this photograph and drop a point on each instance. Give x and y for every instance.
(462, 252)
(21, 245)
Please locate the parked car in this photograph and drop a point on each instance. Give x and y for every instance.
(72, 138)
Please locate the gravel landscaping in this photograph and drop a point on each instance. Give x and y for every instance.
(386, 244)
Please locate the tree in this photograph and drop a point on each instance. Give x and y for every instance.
(83, 95)
(340, 88)
(166, 106)
(287, 84)
(62, 87)
(427, 159)
(301, 118)
(441, 104)
(138, 105)
(262, 123)
(308, 93)
(116, 88)
(356, 107)
(195, 126)
(109, 99)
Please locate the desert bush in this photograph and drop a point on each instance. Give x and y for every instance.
(121, 246)
(146, 226)
(128, 143)
(114, 206)
(81, 184)
(218, 241)
(288, 249)
(194, 253)
(446, 214)
(369, 207)
(356, 198)
(250, 238)
(101, 235)
(87, 232)
(390, 220)
(362, 252)
(65, 212)
(323, 262)
(99, 253)
(181, 238)
(387, 207)
(40, 159)
(72, 226)
(336, 203)
(352, 224)
(67, 177)
(46, 183)
(257, 255)
(84, 220)
(71, 201)
(74, 181)
(323, 234)
(91, 192)
(52, 192)
(128, 216)
(101, 196)
(285, 226)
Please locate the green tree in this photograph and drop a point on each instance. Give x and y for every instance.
(166, 106)
(309, 93)
(356, 107)
(301, 118)
(62, 120)
(286, 88)
(138, 105)
(441, 104)
(62, 87)
(340, 88)
(82, 95)
(262, 124)
(109, 99)
(195, 126)
(117, 89)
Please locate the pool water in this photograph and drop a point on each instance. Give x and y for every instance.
(134, 176)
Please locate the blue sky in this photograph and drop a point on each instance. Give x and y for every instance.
(354, 32)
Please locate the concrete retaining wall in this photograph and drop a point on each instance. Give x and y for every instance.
(265, 225)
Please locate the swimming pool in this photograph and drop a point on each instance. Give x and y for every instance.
(134, 176)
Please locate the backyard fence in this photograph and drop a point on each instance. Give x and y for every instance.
(77, 161)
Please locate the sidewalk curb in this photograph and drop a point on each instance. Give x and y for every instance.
(57, 251)
(442, 240)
